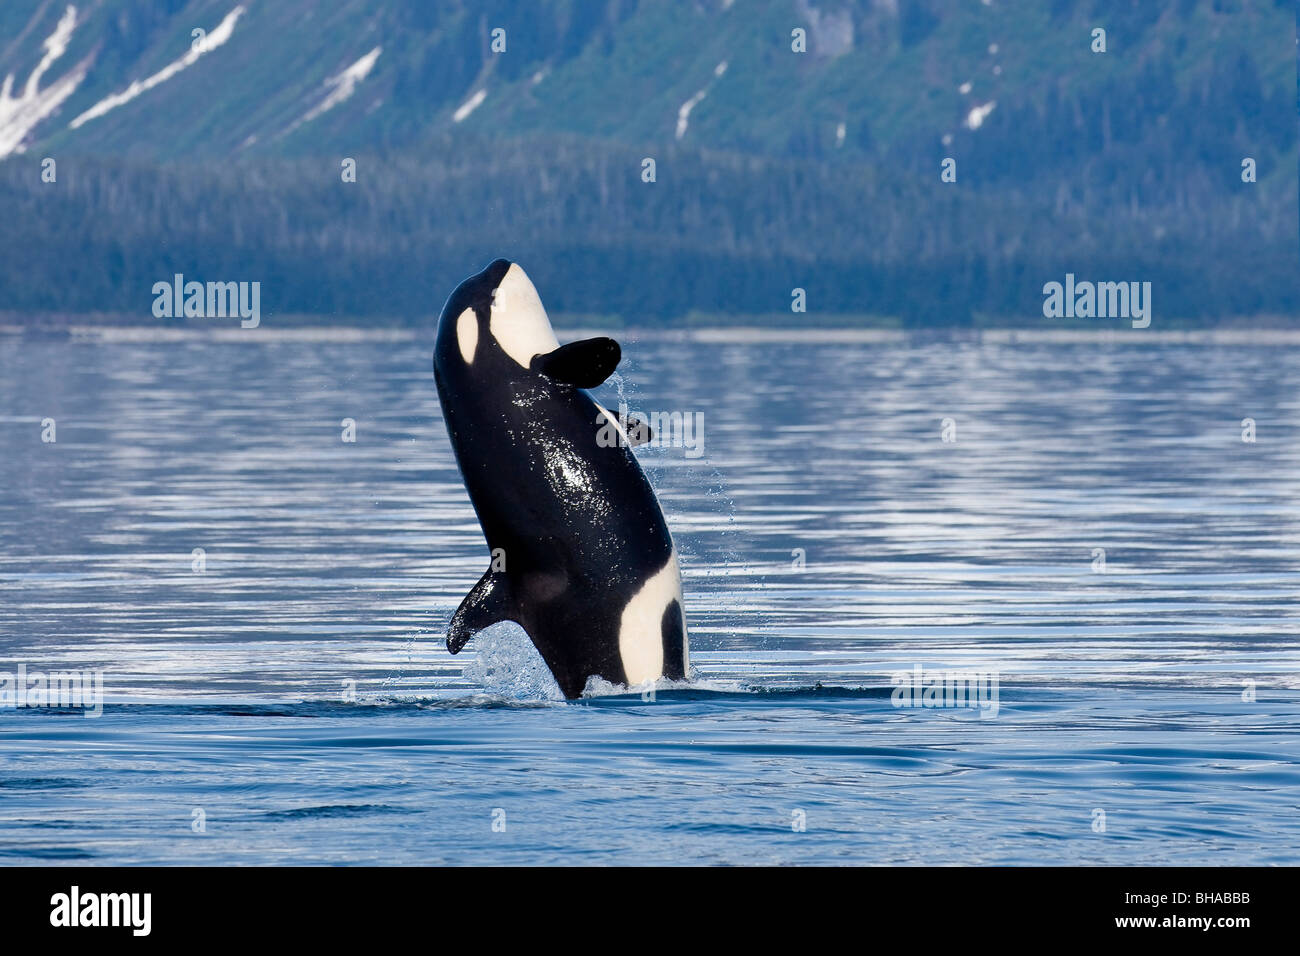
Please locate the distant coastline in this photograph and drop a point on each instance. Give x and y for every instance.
(1228, 334)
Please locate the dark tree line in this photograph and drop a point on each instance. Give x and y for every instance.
(715, 233)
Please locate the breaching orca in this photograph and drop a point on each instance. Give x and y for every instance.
(581, 556)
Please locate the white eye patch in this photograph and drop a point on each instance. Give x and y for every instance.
(467, 335)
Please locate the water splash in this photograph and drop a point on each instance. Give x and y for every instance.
(506, 664)
(599, 687)
(721, 557)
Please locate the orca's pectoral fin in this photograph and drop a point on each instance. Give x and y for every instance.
(637, 430)
(585, 364)
(488, 602)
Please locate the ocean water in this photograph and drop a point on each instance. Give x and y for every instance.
(1095, 537)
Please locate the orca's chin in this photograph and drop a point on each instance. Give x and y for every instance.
(519, 323)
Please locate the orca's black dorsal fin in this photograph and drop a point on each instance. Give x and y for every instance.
(585, 364)
(488, 602)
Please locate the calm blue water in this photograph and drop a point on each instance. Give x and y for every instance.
(329, 568)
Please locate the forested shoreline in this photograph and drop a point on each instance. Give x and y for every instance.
(714, 233)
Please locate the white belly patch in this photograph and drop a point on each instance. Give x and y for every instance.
(640, 633)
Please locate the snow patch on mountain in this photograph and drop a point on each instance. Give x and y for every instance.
(341, 87)
(469, 106)
(975, 118)
(684, 111)
(216, 38)
(20, 114)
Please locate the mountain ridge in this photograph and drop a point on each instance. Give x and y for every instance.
(770, 165)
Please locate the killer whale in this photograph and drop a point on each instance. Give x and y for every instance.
(582, 558)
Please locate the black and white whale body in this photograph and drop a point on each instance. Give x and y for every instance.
(582, 558)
